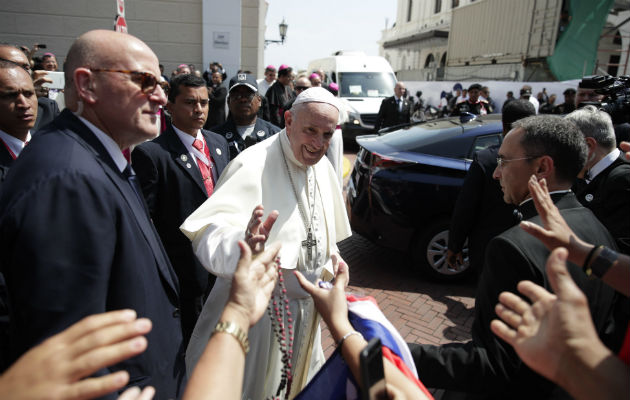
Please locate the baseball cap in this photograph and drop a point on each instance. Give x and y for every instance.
(244, 79)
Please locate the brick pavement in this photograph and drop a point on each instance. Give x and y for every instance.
(422, 310)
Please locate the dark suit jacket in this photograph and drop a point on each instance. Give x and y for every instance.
(173, 191)
(47, 110)
(216, 112)
(262, 130)
(388, 114)
(487, 364)
(75, 240)
(6, 160)
(278, 97)
(608, 196)
(480, 212)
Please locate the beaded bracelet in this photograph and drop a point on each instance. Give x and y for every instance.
(347, 335)
(234, 330)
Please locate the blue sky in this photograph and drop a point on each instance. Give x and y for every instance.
(318, 28)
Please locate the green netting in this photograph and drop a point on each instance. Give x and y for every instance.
(576, 50)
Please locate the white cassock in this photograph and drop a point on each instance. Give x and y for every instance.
(259, 176)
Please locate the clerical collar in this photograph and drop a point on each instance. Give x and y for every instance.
(288, 151)
(110, 145)
(550, 193)
(602, 164)
(15, 145)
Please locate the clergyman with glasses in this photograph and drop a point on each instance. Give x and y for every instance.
(547, 149)
(75, 236)
(243, 127)
(177, 172)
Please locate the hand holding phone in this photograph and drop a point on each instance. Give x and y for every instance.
(372, 372)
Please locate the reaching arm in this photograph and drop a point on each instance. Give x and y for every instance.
(219, 372)
(555, 336)
(333, 307)
(56, 367)
(556, 233)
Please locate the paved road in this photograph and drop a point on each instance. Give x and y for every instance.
(423, 311)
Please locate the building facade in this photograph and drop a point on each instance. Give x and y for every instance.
(515, 40)
(181, 31)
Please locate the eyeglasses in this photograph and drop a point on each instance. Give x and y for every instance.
(501, 160)
(192, 102)
(238, 96)
(147, 81)
(300, 88)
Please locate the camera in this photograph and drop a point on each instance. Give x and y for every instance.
(617, 95)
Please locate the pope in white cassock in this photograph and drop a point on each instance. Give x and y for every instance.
(288, 173)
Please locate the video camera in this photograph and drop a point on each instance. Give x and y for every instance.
(617, 92)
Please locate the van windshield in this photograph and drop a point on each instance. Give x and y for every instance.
(366, 84)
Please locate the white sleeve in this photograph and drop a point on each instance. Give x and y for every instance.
(217, 249)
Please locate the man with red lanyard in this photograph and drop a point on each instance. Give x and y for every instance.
(18, 112)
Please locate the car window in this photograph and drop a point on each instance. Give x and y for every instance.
(366, 84)
(483, 142)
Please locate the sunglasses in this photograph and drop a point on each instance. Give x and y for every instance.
(147, 81)
(300, 88)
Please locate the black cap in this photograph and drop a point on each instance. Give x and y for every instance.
(569, 91)
(244, 79)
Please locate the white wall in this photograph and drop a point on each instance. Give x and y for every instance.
(222, 34)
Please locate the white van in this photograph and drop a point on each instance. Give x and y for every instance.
(364, 81)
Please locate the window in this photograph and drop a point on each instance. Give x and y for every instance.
(409, 7)
(483, 142)
(430, 62)
(438, 6)
(454, 3)
(443, 61)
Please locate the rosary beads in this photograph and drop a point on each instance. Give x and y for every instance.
(279, 308)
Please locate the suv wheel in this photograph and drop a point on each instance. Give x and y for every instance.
(430, 253)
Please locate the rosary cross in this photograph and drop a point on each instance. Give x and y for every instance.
(309, 243)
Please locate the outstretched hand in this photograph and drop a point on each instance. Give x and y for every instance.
(257, 231)
(254, 281)
(555, 232)
(56, 367)
(330, 303)
(545, 333)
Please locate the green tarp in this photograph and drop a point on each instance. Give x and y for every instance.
(575, 53)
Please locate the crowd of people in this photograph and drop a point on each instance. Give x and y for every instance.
(177, 236)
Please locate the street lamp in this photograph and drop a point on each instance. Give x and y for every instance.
(283, 33)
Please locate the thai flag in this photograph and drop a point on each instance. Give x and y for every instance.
(334, 380)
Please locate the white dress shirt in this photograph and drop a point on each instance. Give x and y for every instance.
(188, 140)
(110, 145)
(602, 165)
(15, 144)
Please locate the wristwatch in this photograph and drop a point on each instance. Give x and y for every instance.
(602, 262)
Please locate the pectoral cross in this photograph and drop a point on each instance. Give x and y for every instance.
(309, 243)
